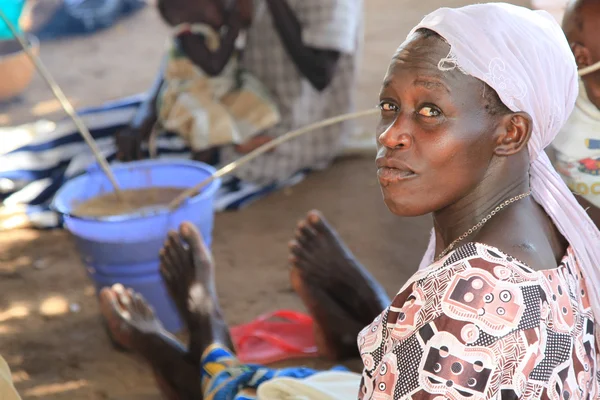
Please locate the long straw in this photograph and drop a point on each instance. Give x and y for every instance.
(66, 105)
(263, 149)
(589, 69)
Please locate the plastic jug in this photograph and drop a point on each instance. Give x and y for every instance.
(12, 9)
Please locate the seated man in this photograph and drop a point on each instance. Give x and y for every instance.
(305, 53)
(577, 146)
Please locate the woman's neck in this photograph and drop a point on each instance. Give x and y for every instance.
(455, 220)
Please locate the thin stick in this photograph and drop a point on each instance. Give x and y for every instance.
(589, 69)
(263, 149)
(66, 105)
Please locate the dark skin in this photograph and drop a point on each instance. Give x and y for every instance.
(340, 294)
(316, 65)
(440, 152)
(188, 272)
(133, 325)
(580, 25)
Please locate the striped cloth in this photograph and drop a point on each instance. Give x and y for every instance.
(35, 160)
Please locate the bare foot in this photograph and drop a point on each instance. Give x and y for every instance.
(340, 294)
(133, 325)
(187, 268)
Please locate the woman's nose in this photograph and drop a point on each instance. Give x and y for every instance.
(393, 138)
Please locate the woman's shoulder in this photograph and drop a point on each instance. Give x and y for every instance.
(496, 267)
(483, 255)
(483, 284)
(477, 310)
(475, 282)
(482, 258)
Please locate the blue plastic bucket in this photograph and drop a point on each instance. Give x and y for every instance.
(124, 249)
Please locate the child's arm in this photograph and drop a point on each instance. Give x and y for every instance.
(317, 65)
(212, 63)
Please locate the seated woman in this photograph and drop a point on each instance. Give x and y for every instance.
(504, 304)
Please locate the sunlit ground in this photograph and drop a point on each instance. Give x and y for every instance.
(49, 323)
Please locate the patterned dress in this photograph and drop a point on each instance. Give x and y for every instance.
(479, 324)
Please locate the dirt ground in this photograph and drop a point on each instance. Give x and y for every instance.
(50, 329)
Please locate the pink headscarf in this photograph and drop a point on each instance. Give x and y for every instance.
(525, 57)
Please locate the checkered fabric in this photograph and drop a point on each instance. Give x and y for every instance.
(327, 24)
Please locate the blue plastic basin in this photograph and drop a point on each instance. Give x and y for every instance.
(124, 249)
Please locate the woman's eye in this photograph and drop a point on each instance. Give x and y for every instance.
(386, 106)
(428, 111)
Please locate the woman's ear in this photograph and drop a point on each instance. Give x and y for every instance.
(583, 58)
(515, 131)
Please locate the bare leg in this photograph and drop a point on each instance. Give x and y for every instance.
(188, 271)
(133, 325)
(340, 294)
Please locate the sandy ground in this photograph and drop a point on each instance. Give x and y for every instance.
(49, 322)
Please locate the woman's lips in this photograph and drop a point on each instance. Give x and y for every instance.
(391, 175)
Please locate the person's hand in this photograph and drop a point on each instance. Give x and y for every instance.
(129, 144)
(245, 9)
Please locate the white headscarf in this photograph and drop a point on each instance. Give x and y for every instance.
(525, 57)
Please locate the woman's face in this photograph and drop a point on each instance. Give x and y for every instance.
(435, 138)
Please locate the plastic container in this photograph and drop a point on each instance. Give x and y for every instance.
(12, 9)
(124, 249)
(16, 69)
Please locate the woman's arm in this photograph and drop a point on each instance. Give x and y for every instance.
(129, 140)
(212, 63)
(145, 116)
(318, 66)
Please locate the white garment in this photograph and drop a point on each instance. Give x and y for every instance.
(328, 385)
(326, 24)
(7, 389)
(577, 149)
(524, 56)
